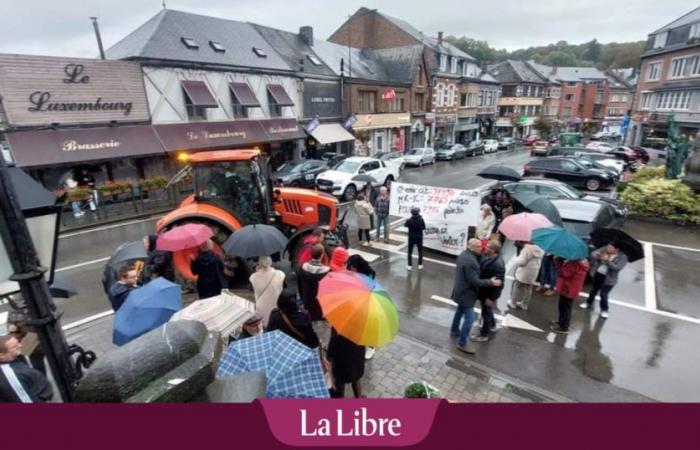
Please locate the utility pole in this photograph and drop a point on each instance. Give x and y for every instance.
(99, 38)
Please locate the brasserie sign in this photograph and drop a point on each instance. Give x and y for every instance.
(75, 74)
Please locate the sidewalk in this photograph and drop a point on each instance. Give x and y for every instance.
(393, 367)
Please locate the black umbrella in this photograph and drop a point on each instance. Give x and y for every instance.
(62, 287)
(539, 204)
(500, 172)
(364, 178)
(130, 254)
(255, 240)
(629, 245)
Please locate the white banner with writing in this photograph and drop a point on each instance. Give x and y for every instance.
(448, 213)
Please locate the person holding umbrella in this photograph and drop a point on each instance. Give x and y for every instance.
(527, 267)
(209, 269)
(570, 279)
(159, 262)
(608, 261)
(348, 364)
(128, 280)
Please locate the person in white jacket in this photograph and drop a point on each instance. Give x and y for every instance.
(527, 267)
(487, 220)
(268, 283)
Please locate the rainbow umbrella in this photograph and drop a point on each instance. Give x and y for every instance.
(358, 308)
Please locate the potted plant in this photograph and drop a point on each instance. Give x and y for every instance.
(421, 389)
(152, 183)
(79, 195)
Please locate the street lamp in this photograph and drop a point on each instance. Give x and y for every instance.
(25, 243)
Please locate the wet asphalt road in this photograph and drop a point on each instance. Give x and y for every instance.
(646, 351)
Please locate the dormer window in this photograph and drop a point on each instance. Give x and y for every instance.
(443, 63)
(453, 66)
(314, 60)
(217, 47)
(259, 52)
(660, 40)
(694, 31)
(190, 43)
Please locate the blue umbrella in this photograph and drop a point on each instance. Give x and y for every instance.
(560, 242)
(145, 309)
(292, 369)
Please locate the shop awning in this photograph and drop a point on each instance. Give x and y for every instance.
(282, 130)
(210, 135)
(53, 147)
(244, 94)
(199, 94)
(329, 133)
(280, 95)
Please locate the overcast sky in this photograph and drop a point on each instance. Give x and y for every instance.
(63, 28)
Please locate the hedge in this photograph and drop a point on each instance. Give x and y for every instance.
(659, 197)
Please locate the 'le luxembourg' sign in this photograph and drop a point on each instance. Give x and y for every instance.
(41, 100)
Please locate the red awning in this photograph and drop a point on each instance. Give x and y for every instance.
(53, 147)
(279, 94)
(282, 129)
(210, 135)
(199, 94)
(244, 94)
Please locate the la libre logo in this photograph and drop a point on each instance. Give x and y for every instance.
(358, 424)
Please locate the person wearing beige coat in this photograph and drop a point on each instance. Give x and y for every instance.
(268, 283)
(364, 211)
(527, 268)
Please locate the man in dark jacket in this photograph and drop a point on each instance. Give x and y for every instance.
(209, 269)
(492, 266)
(416, 226)
(308, 277)
(159, 263)
(19, 383)
(128, 279)
(465, 292)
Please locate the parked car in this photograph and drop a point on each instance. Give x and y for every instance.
(553, 189)
(606, 135)
(332, 158)
(392, 159)
(475, 147)
(339, 182)
(299, 174)
(490, 145)
(600, 146)
(530, 140)
(419, 156)
(629, 154)
(582, 217)
(642, 154)
(571, 172)
(599, 160)
(451, 152)
(541, 148)
(506, 143)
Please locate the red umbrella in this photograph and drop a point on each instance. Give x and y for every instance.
(190, 235)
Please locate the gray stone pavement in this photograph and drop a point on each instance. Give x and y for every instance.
(393, 367)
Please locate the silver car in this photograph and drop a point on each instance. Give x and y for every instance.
(419, 156)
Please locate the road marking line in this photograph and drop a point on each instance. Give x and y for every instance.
(509, 320)
(83, 264)
(689, 249)
(87, 320)
(649, 278)
(585, 295)
(108, 227)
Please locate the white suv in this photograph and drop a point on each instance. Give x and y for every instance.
(339, 181)
(490, 145)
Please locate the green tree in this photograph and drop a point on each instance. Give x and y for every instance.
(543, 126)
(592, 51)
(561, 58)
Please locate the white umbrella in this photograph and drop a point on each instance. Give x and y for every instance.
(223, 313)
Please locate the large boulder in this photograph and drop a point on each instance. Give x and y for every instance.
(172, 363)
(241, 388)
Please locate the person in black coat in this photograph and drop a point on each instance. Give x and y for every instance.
(209, 269)
(492, 266)
(159, 262)
(348, 362)
(416, 226)
(309, 275)
(19, 383)
(292, 321)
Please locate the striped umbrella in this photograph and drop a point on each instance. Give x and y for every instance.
(358, 308)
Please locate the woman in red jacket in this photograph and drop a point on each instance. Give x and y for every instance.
(571, 276)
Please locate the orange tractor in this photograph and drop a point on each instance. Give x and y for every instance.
(233, 188)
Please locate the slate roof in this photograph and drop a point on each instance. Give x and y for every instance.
(545, 71)
(512, 71)
(364, 64)
(429, 41)
(400, 63)
(160, 38)
(564, 74)
(292, 48)
(686, 19)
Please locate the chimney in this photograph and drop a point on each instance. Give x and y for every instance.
(439, 37)
(306, 34)
(554, 70)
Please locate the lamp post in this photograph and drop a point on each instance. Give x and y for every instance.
(20, 269)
